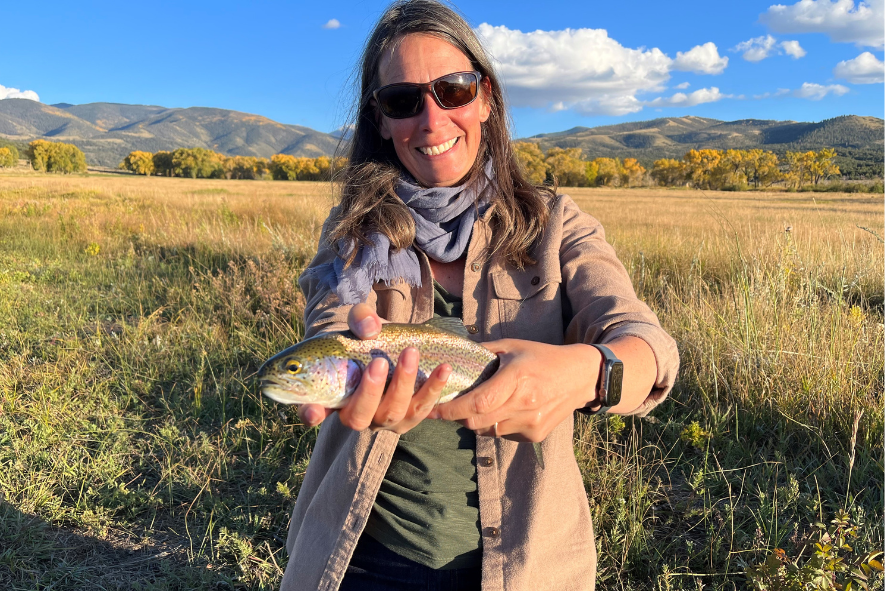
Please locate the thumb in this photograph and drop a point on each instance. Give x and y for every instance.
(364, 321)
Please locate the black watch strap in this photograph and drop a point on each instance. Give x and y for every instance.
(608, 358)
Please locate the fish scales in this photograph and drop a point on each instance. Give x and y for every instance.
(326, 369)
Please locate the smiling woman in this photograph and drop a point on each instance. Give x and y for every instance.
(437, 218)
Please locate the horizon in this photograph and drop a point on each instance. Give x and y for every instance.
(569, 65)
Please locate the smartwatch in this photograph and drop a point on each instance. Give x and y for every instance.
(609, 382)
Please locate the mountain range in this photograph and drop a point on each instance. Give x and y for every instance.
(107, 132)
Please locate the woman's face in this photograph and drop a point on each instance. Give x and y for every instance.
(422, 58)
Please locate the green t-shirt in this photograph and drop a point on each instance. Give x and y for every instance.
(428, 508)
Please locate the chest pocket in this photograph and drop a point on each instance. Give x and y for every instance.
(529, 304)
(393, 301)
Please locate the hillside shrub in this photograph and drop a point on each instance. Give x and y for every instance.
(56, 157)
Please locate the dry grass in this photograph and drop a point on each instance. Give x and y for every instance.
(134, 310)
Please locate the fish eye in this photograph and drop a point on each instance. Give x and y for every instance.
(293, 366)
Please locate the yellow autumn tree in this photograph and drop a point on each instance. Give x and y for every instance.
(533, 161)
(56, 157)
(631, 173)
(607, 171)
(566, 166)
(760, 168)
(139, 163)
(703, 168)
(668, 172)
(8, 158)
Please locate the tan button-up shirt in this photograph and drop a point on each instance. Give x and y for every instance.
(536, 523)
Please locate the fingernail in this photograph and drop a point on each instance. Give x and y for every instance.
(378, 370)
(445, 372)
(434, 414)
(368, 327)
(409, 359)
(310, 417)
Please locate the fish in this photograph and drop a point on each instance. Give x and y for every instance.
(326, 369)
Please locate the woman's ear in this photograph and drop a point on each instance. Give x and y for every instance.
(485, 95)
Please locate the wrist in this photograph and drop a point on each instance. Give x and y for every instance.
(587, 364)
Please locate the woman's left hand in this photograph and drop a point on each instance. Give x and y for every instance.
(537, 386)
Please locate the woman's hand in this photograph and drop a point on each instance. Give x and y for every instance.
(395, 409)
(537, 386)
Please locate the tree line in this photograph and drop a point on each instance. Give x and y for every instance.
(203, 163)
(702, 169)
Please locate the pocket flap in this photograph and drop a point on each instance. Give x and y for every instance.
(521, 285)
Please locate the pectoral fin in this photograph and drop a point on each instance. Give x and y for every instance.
(538, 455)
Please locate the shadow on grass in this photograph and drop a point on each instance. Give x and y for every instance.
(36, 555)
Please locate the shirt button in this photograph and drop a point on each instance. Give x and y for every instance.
(472, 328)
(535, 280)
(485, 461)
(492, 532)
(475, 267)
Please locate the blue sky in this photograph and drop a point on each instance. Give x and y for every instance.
(564, 63)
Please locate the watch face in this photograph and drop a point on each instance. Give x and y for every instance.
(616, 373)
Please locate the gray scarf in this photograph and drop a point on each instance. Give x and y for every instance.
(444, 218)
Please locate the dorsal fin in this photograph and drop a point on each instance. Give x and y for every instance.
(449, 324)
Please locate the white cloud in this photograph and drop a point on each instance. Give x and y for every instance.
(701, 59)
(793, 49)
(756, 49)
(702, 95)
(782, 91)
(816, 92)
(759, 48)
(682, 85)
(841, 20)
(332, 24)
(865, 69)
(584, 69)
(8, 93)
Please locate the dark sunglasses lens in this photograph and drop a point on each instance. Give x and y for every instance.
(456, 90)
(399, 102)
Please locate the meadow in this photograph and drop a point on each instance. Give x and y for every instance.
(137, 453)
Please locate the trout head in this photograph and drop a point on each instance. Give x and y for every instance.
(314, 371)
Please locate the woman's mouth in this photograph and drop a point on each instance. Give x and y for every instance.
(438, 149)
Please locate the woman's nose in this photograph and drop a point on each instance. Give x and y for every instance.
(432, 115)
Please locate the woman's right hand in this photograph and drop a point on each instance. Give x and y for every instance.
(372, 406)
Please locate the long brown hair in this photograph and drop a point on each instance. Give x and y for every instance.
(369, 204)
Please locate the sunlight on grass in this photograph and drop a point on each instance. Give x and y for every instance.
(136, 452)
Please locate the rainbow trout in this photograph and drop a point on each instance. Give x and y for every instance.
(326, 369)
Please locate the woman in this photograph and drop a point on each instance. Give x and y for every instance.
(437, 217)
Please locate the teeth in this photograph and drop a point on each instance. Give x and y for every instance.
(436, 150)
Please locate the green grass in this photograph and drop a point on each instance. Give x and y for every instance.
(136, 453)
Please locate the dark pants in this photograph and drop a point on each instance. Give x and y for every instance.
(375, 568)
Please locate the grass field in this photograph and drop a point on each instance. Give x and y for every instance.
(136, 452)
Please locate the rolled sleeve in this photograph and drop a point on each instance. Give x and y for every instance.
(604, 306)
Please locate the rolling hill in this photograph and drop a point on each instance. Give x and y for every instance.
(107, 132)
(857, 140)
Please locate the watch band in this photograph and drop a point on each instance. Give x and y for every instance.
(608, 358)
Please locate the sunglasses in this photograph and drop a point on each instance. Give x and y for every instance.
(407, 99)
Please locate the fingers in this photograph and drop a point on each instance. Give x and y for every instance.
(476, 409)
(395, 403)
(313, 414)
(359, 411)
(425, 399)
(364, 322)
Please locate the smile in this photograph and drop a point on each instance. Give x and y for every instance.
(439, 149)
